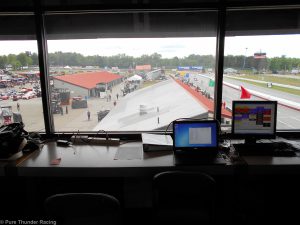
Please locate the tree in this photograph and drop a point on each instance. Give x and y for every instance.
(3, 61)
(24, 59)
(35, 59)
(11, 59)
(16, 65)
(155, 60)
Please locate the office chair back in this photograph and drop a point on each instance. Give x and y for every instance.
(84, 208)
(184, 197)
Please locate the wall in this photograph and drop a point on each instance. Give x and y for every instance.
(75, 90)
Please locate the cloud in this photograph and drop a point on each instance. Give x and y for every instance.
(174, 46)
(273, 45)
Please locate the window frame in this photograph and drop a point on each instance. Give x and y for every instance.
(222, 8)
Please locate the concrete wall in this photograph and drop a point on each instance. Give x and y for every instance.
(75, 90)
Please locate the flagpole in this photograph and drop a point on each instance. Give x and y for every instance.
(245, 59)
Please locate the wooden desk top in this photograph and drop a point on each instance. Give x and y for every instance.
(91, 160)
(99, 161)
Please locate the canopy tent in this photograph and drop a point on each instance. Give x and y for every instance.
(135, 78)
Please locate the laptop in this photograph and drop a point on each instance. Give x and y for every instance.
(195, 142)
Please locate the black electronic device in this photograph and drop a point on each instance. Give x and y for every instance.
(11, 137)
(281, 149)
(30, 146)
(196, 142)
(64, 143)
(252, 120)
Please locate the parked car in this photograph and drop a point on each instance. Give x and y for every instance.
(4, 97)
(16, 97)
(3, 85)
(29, 95)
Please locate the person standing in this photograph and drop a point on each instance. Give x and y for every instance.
(18, 106)
(88, 114)
(66, 109)
(117, 96)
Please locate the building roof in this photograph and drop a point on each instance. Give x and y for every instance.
(143, 67)
(88, 80)
(166, 100)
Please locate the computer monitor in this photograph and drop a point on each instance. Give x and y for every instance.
(195, 135)
(254, 120)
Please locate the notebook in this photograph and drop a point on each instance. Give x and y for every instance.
(196, 142)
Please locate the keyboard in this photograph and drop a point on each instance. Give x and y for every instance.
(282, 149)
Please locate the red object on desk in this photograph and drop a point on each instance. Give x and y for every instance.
(55, 161)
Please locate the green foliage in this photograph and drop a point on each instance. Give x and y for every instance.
(282, 63)
(17, 61)
(3, 61)
(274, 64)
(155, 60)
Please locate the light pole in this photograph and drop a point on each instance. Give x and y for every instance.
(245, 59)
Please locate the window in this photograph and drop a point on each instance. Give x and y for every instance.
(135, 70)
(20, 92)
(138, 72)
(262, 61)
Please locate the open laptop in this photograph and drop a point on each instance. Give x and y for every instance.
(196, 142)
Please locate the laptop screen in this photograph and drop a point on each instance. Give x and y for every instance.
(195, 134)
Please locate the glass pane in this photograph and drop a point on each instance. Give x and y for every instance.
(267, 67)
(20, 92)
(139, 78)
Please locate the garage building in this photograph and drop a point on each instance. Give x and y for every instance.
(90, 84)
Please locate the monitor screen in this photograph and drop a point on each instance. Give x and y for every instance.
(195, 134)
(254, 118)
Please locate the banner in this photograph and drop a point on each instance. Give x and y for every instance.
(211, 83)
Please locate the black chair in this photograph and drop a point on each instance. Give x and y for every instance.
(83, 209)
(183, 198)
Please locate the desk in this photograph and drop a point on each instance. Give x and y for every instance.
(2, 168)
(98, 161)
(272, 165)
(90, 168)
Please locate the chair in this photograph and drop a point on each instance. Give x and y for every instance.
(183, 198)
(83, 208)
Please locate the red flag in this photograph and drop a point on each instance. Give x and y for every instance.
(245, 93)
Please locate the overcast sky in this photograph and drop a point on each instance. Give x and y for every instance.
(278, 45)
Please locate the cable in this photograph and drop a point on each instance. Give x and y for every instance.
(76, 136)
(89, 139)
(92, 138)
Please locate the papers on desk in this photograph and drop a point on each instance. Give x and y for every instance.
(128, 153)
(157, 142)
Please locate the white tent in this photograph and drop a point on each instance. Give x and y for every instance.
(135, 78)
(67, 67)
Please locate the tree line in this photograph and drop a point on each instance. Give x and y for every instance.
(238, 62)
